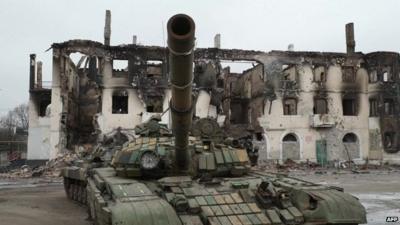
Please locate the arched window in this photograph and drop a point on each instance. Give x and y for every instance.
(389, 139)
(349, 138)
(351, 146)
(290, 138)
(290, 147)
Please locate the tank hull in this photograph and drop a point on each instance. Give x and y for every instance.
(182, 200)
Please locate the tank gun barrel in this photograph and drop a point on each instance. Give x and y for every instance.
(181, 29)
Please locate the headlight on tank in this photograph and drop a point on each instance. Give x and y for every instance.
(149, 160)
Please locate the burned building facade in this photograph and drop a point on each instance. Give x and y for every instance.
(293, 105)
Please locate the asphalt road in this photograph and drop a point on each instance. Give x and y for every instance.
(43, 205)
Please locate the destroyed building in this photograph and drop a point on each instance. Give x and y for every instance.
(317, 106)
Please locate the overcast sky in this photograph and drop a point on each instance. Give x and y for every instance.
(311, 25)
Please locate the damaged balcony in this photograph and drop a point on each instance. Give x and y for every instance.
(322, 121)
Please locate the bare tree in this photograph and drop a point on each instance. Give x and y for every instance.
(8, 122)
(18, 117)
(21, 116)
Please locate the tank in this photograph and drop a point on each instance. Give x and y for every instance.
(75, 176)
(190, 175)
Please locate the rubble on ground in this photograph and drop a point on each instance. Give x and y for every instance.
(335, 167)
(51, 169)
(105, 147)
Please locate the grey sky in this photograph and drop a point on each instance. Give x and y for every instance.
(312, 25)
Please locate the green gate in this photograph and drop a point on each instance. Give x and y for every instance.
(322, 156)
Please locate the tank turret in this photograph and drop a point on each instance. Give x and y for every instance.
(180, 44)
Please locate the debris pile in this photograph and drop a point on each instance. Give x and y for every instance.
(287, 166)
(51, 169)
(334, 167)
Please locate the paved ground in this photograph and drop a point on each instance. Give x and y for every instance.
(34, 203)
(44, 205)
(378, 191)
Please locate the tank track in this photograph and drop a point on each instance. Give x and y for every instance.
(75, 190)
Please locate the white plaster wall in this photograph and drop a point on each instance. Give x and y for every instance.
(277, 125)
(203, 104)
(39, 139)
(38, 134)
(109, 121)
(56, 109)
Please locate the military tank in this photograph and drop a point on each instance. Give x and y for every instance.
(75, 175)
(170, 177)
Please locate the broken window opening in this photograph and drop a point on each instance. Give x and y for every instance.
(120, 68)
(290, 138)
(386, 77)
(239, 112)
(388, 107)
(43, 107)
(259, 136)
(388, 139)
(154, 105)
(154, 108)
(349, 138)
(238, 66)
(373, 107)
(93, 68)
(319, 74)
(154, 68)
(119, 65)
(154, 62)
(120, 103)
(349, 74)
(80, 60)
(320, 106)
(373, 77)
(289, 72)
(349, 107)
(150, 108)
(220, 83)
(290, 106)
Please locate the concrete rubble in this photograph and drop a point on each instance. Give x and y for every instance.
(342, 167)
(50, 170)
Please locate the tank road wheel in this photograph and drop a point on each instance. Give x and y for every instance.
(71, 190)
(82, 192)
(67, 186)
(78, 191)
(84, 195)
